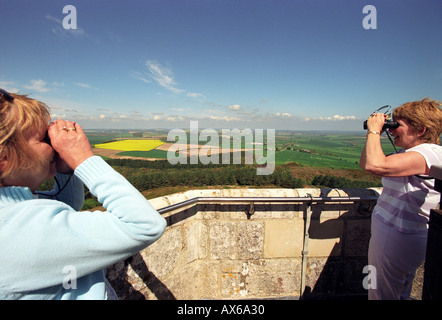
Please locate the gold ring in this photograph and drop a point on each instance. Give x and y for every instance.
(72, 129)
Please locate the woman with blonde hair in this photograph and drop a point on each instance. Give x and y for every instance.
(399, 220)
(49, 249)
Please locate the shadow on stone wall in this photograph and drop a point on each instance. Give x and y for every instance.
(341, 274)
(128, 291)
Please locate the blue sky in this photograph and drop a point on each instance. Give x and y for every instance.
(274, 64)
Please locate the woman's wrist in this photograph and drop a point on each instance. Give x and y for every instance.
(373, 132)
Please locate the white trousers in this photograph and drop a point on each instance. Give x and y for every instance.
(395, 257)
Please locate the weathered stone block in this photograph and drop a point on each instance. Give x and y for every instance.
(283, 238)
(222, 240)
(197, 243)
(275, 277)
(162, 256)
(325, 238)
(250, 240)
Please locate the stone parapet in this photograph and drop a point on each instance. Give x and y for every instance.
(231, 250)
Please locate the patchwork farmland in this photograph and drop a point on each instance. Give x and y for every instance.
(309, 149)
(303, 159)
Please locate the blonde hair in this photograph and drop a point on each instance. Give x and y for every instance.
(18, 119)
(422, 114)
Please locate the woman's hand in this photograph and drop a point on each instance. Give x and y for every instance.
(376, 121)
(71, 144)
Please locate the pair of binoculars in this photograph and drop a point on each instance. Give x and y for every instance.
(389, 124)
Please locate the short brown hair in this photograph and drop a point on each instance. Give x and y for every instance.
(422, 114)
(18, 119)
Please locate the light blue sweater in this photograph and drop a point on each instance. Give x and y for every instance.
(50, 250)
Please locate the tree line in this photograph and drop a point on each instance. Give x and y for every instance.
(196, 175)
(241, 176)
(163, 174)
(330, 181)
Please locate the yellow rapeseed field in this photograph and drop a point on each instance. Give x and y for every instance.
(131, 145)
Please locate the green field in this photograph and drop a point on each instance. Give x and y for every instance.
(323, 150)
(103, 136)
(157, 154)
(313, 149)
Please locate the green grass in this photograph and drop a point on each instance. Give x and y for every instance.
(315, 160)
(103, 137)
(157, 154)
(325, 150)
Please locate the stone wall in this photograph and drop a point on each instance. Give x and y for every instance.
(219, 251)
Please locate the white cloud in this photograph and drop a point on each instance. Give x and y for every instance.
(59, 30)
(58, 116)
(85, 85)
(179, 109)
(235, 107)
(283, 115)
(225, 118)
(58, 84)
(175, 118)
(8, 86)
(140, 77)
(336, 117)
(162, 75)
(38, 85)
(194, 95)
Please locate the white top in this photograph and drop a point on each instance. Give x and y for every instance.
(405, 202)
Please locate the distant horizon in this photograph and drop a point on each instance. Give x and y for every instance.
(363, 132)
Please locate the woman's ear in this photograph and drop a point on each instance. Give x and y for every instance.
(2, 165)
(422, 132)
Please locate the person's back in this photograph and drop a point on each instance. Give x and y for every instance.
(50, 250)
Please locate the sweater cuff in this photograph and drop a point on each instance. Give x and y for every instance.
(92, 168)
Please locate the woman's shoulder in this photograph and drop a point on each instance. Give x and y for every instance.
(431, 152)
(427, 146)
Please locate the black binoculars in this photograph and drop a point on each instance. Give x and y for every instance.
(389, 124)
